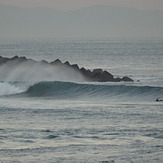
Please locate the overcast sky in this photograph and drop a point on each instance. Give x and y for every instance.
(96, 18)
(76, 4)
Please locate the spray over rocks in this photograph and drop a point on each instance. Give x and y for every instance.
(23, 69)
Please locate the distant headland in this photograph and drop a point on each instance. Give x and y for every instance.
(21, 68)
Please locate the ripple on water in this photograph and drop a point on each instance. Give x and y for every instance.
(51, 137)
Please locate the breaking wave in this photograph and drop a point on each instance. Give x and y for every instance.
(58, 89)
(9, 89)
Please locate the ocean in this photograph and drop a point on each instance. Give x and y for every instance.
(84, 122)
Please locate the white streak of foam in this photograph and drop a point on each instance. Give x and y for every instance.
(9, 89)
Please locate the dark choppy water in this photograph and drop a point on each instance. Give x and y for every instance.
(85, 122)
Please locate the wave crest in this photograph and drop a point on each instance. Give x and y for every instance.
(9, 89)
(71, 90)
(66, 90)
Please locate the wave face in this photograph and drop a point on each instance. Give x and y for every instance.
(68, 90)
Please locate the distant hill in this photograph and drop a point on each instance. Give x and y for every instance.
(97, 21)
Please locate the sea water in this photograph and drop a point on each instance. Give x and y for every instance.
(63, 121)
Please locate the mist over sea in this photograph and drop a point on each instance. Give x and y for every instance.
(70, 121)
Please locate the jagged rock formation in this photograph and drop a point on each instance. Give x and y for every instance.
(97, 75)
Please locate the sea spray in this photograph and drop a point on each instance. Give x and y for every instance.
(10, 88)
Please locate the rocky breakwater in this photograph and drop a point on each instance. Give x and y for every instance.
(21, 68)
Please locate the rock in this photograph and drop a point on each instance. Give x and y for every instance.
(22, 59)
(15, 58)
(44, 62)
(127, 79)
(107, 76)
(67, 63)
(75, 66)
(3, 60)
(83, 70)
(97, 71)
(101, 76)
(96, 75)
(56, 62)
(86, 73)
(118, 79)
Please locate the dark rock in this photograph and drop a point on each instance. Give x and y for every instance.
(14, 58)
(117, 79)
(127, 79)
(67, 63)
(96, 75)
(75, 66)
(89, 72)
(108, 75)
(97, 71)
(56, 62)
(86, 73)
(44, 62)
(101, 76)
(22, 59)
(3, 60)
(18, 59)
(83, 70)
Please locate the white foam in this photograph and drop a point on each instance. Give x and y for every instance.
(9, 89)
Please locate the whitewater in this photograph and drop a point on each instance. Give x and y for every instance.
(48, 120)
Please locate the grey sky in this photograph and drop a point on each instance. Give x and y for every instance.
(81, 18)
(76, 4)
